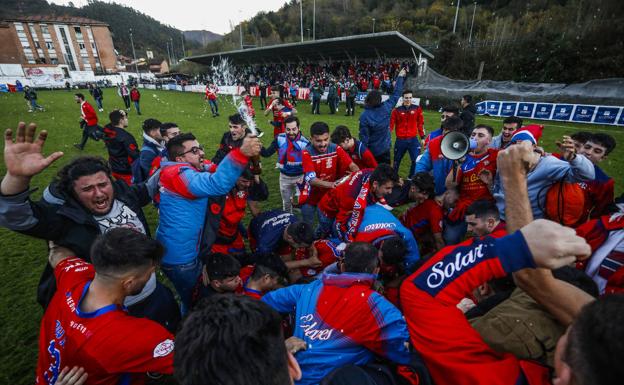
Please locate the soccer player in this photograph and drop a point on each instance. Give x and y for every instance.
(599, 192)
(361, 155)
(324, 163)
(408, 121)
(121, 146)
(88, 120)
(220, 275)
(85, 324)
(267, 274)
(468, 181)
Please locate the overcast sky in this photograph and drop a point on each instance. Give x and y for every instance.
(211, 15)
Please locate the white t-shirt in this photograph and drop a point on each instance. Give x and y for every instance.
(120, 215)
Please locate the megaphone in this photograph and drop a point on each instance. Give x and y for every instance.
(455, 145)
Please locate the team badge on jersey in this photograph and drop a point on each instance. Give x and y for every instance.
(163, 348)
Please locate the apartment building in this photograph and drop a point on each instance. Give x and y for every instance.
(74, 43)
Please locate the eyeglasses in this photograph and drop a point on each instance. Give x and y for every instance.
(194, 150)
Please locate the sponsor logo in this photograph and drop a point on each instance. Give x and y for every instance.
(163, 348)
(442, 271)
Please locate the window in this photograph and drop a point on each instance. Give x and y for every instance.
(44, 29)
(82, 46)
(53, 60)
(86, 63)
(78, 33)
(33, 33)
(37, 45)
(49, 45)
(19, 27)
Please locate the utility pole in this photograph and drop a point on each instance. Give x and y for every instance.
(308, 33)
(301, 18)
(456, 14)
(373, 25)
(314, 20)
(474, 11)
(136, 66)
(183, 49)
(173, 57)
(240, 28)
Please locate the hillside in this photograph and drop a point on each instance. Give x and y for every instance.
(544, 40)
(202, 37)
(148, 33)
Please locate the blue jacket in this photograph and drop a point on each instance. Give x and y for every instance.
(343, 321)
(149, 151)
(268, 229)
(184, 196)
(434, 162)
(375, 122)
(289, 163)
(377, 217)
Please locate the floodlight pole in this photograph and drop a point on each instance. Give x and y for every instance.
(373, 25)
(136, 67)
(183, 50)
(474, 10)
(314, 20)
(301, 18)
(456, 14)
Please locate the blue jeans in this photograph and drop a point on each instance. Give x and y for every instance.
(136, 106)
(412, 146)
(34, 105)
(213, 106)
(184, 277)
(98, 101)
(454, 232)
(324, 227)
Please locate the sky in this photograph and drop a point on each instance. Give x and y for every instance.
(210, 15)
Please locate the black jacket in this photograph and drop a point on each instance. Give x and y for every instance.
(122, 149)
(468, 117)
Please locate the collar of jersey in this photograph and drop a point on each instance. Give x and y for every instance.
(98, 312)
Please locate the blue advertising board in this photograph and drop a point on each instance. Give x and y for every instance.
(583, 113)
(563, 112)
(525, 110)
(543, 111)
(606, 115)
(493, 108)
(508, 108)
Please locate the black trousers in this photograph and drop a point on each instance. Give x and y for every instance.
(316, 106)
(384, 157)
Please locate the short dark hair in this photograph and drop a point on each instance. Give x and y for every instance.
(360, 257)
(237, 119)
(425, 183)
(175, 146)
(291, 119)
(151, 125)
(234, 340)
(467, 98)
(451, 109)
(452, 123)
(577, 278)
(270, 264)
(115, 116)
(78, 167)
(489, 129)
(221, 266)
(340, 134)
(122, 249)
(581, 136)
(482, 209)
(319, 128)
(384, 173)
(373, 99)
(595, 347)
(512, 120)
(165, 126)
(604, 140)
(301, 232)
(407, 91)
(393, 250)
(81, 96)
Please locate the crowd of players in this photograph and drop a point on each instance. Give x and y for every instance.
(346, 292)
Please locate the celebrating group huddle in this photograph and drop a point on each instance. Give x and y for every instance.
(348, 293)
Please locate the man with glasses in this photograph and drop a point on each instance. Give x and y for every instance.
(121, 146)
(191, 202)
(408, 120)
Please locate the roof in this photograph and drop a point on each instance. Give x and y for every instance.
(372, 45)
(56, 19)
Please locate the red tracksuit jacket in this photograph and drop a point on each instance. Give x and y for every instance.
(408, 122)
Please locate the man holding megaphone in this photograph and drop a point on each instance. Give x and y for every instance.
(473, 176)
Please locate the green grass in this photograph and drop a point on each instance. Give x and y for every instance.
(23, 258)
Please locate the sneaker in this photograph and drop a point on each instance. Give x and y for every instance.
(30, 110)
(78, 146)
(101, 110)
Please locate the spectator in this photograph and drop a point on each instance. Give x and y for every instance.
(447, 112)
(510, 125)
(250, 340)
(220, 275)
(375, 121)
(600, 191)
(98, 95)
(289, 147)
(211, 97)
(340, 308)
(187, 204)
(483, 218)
(269, 272)
(121, 146)
(358, 152)
(263, 93)
(315, 94)
(85, 324)
(125, 95)
(31, 96)
(352, 91)
(135, 96)
(88, 121)
(153, 146)
(233, 138)
(279, 232)
(408, 121)
(467, 114)
(332, 97)
(580, 138)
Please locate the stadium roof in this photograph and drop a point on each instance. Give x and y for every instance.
(390, 44)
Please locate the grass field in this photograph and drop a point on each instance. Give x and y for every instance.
(22, 258)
